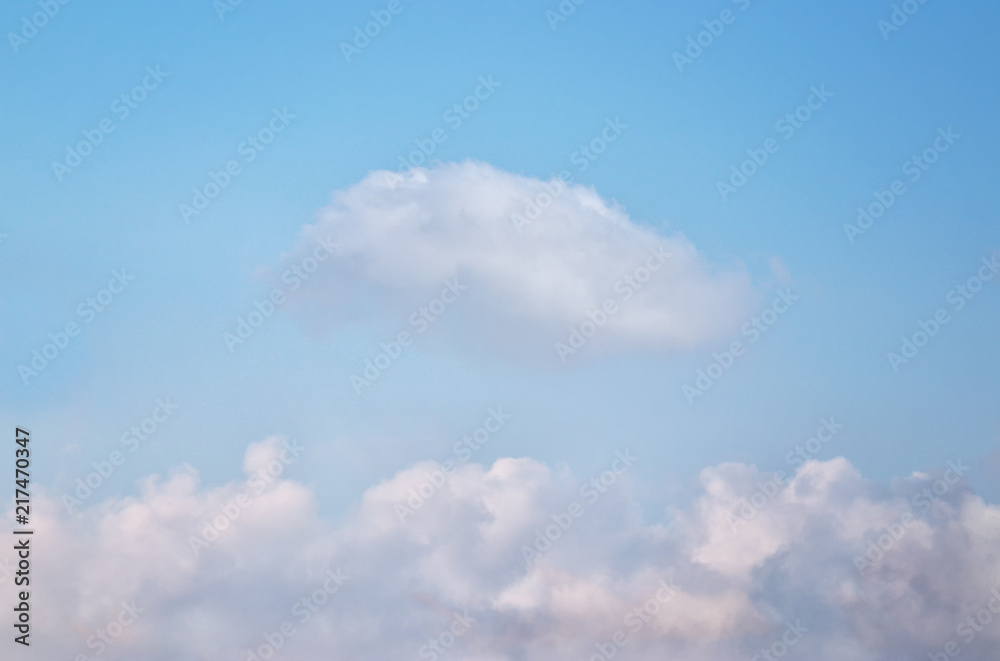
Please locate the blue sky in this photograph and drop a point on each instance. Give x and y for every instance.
(685, 130)
(225, 77)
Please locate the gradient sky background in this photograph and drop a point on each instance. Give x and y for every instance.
(163, 336)
(559, 85)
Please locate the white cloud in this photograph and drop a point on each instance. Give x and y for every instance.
(396, 242)
(461, 553)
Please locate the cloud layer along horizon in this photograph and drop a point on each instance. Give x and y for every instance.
(750, 561)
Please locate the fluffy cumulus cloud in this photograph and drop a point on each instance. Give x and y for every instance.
(517, 561)
(527, 261)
